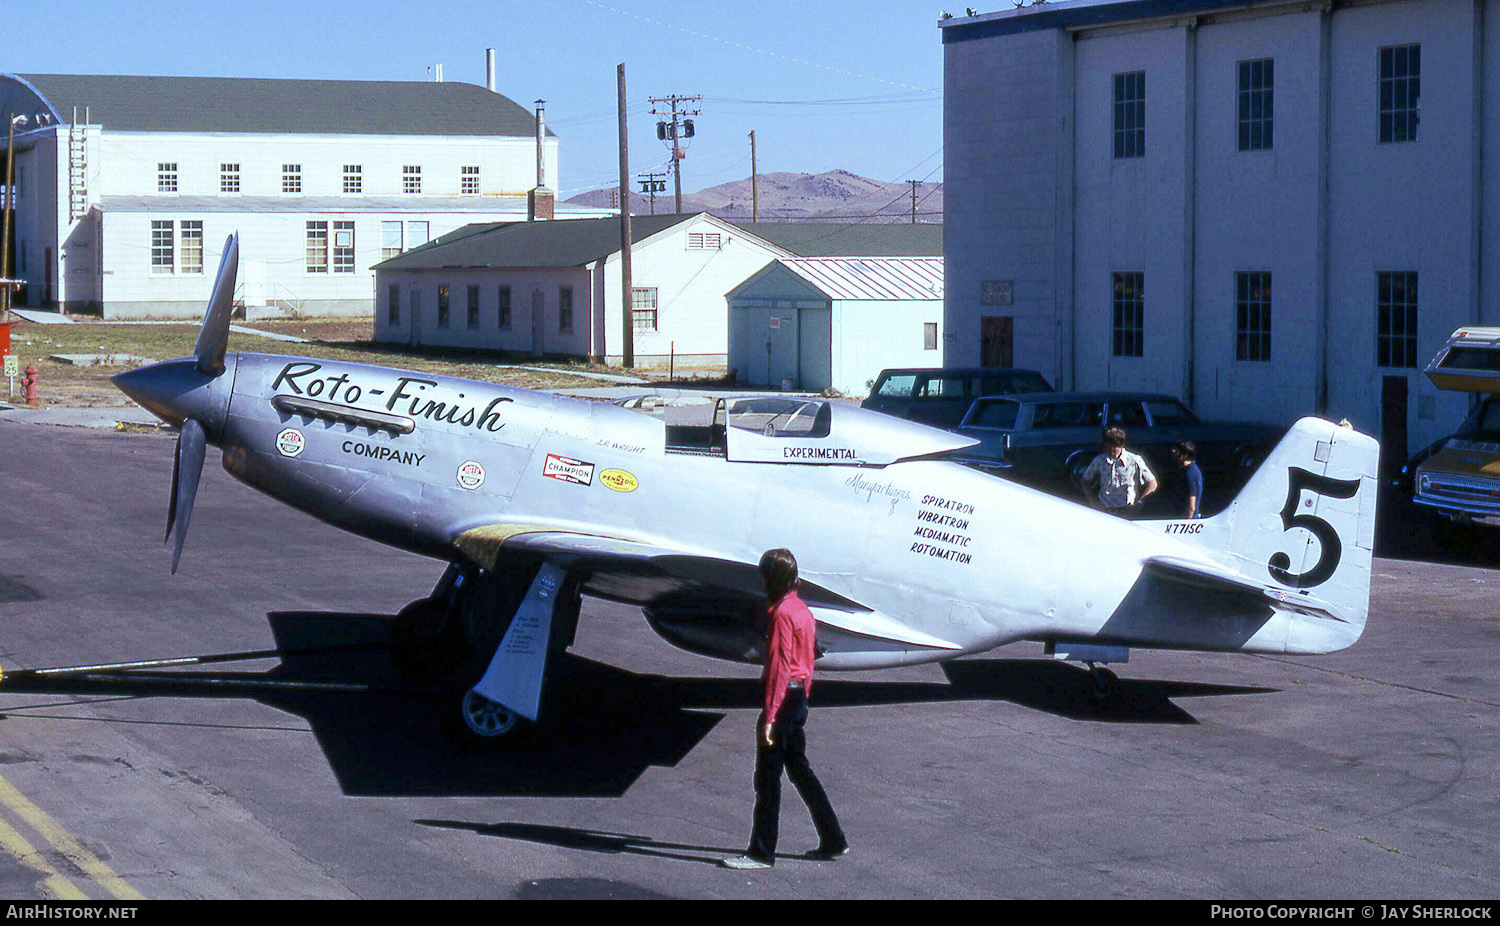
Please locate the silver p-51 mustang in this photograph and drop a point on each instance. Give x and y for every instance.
(906, 557)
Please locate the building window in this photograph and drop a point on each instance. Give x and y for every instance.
(1396, 319)
(473, 306)
(229, 178)
(443, 306)
(565, 308)
(505, 307)
(705, 241)
(929, 336)
(411, 179)
(317, 247)
(643, 308)
(166, 177)
(416, 234)
(1256, 87)
(468, 180)
(1128, 324)
(354, 178)
(291, 178)
(390, 240)
(393, 305)
(192, 246)
(1252, 316)
(1130, 115)
(1400, 91)
(161, 247)
(343, 247)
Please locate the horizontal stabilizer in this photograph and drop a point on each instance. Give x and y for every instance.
(1217, 578)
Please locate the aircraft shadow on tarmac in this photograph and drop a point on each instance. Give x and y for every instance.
(601, 726)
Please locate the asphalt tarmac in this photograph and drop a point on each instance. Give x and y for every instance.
(1369, 773)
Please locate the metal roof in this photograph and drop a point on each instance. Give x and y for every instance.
(865, 239)
(553, 244)
(871, 278)
(1077, 14)
(237, 104)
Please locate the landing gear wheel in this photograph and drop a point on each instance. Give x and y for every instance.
(426, 643)
(486, 722)
(1105, 689)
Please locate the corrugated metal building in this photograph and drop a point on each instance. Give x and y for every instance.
(127, 187)
(834, 323)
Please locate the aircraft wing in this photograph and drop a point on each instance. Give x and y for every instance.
(656, 576)
(1216, 578)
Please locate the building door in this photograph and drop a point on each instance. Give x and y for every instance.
(996, 341)
(538, 331)
(414, 331)
(1393, 399)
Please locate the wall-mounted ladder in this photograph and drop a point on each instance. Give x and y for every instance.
(78, 166)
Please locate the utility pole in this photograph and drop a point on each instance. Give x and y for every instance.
(754, 183)
(627, 342)
(672, 132)
(913, 201)
(651, 185)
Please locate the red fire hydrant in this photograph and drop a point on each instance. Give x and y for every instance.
(29, 381)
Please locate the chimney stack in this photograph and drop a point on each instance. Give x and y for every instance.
(489, 69)
(541, 202)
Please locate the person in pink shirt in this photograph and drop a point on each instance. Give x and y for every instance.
(781, 742)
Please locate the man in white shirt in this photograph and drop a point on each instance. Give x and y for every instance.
(1118, 481)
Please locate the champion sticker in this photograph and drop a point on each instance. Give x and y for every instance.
(619, 480)
(568, 469)
(290, 442)
(470, 475)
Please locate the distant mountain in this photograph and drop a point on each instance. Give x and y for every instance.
(835, 195)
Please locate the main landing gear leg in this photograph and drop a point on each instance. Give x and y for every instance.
(427, 638)
(1106, 687)
(511, 688)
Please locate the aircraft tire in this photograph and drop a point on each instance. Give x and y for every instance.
(426, 643)
(475, 724)
(1104, 687)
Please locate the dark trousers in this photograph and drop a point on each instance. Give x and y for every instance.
(788, 751)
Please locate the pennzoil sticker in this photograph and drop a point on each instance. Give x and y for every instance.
(290, 442)
(470, 475)
(568, 469)
(619, 480)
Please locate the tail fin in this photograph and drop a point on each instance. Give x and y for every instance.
(1305, 524)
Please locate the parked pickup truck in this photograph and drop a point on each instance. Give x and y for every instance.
(1459, 477)
(1048, 439)
(940, 397)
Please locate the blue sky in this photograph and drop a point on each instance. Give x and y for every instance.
(827, 84)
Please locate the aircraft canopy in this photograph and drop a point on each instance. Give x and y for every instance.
(815, 431)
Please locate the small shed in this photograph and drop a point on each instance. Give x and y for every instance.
(820, 323)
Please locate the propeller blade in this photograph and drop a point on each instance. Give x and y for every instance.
(213, 337)
(187, 469)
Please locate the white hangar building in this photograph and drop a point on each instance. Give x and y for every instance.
(1269, 208)
(819, 323)
(554, 288)
(127, 187)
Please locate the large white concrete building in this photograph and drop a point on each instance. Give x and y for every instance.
(1270, 208)
(127, 187)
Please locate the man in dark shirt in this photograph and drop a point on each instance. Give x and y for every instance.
(1184, 454)
(781, 742)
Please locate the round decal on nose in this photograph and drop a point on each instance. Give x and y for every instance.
(619, 480)
(290, 442)
(470, 475)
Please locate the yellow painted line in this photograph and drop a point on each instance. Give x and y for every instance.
(52, 880)
(64, 842)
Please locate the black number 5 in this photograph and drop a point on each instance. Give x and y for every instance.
(1328, 538)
